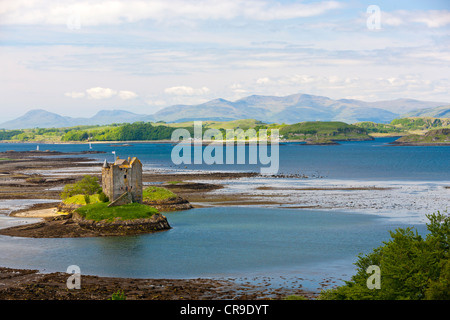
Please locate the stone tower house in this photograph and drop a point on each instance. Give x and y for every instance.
(122, 181)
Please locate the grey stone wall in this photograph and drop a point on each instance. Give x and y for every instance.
(117, 180)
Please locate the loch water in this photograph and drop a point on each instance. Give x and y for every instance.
(361, 160)
(242, 242)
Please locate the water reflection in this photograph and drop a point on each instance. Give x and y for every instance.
(216, 242)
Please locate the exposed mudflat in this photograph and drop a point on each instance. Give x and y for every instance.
(19, 284)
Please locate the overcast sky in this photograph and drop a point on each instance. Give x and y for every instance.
(78, 57)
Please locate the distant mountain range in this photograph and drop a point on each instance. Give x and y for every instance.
(289, 109)
(39, 118)
(437, 112)
(293, 108)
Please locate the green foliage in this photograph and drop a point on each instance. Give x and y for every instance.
(404, 125)
(163, 131)
(100, 211)
(102, 197)
(430, 137)
(37, 134)
(440, 289)
(417, 123)
(75, 135)
(82, 199)
(373, 127)
(125, 132)
(24, 136)
(157, 194)
(333, 130)
(87, 186)
(412, 267)
(118, 295)
(8, 134)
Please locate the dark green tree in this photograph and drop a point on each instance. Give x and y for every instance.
(412, 267)
(87, 186)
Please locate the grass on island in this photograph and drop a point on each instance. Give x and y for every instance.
(100, 211)
(432, 136)
(157, 194)
(81, 199)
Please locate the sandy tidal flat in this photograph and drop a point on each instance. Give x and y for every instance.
(408, 201)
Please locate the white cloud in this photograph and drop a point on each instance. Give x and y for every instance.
(77, 14)
(258, 10)
(100, 93)
(93, 13)
(126, 95)
(414, 86)
(264, 80)
(431, 18)
(392, 19)
(74, 95)
(237, 88)
(186, 91)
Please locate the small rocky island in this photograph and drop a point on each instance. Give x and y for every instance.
(120, 206)
(437, 137)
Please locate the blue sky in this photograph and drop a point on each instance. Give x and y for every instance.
(78, 57)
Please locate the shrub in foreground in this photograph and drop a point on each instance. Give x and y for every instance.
(412, 267)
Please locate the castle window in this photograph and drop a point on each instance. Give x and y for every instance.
(124, 176)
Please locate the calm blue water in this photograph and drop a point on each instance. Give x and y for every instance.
(365, 160)
(217, 242)
(238, 241)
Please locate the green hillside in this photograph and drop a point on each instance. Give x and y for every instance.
(403, 126)
(309, 131)
(432, 137)
(243, 124)
(321, 130)
(437, 112)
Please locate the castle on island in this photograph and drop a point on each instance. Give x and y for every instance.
(122, 181)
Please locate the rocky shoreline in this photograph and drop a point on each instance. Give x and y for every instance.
(24, 284)
(74, 226)
(176, 204)
(419, 144)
